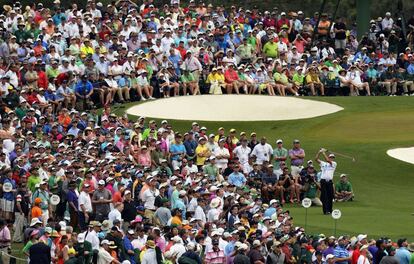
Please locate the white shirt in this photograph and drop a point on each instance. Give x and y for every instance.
(92, 237)
(213, 215)
(104, 257)
(199, 214)
(221, 163)
(114, 215)
(363, 260)
(192, 205)
(262, 152)
(139, 242)
(327, 170)
(354, 76)
(178, 249)
(85, 200)
(149, 198)
(242, 153)
(150, 257)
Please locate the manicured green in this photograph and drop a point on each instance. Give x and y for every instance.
(366, 128)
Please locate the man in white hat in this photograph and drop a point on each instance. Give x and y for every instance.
(104, 257)
(85, 206)
(327, 172)
(101, 198)
(387, 22)
(214, 213)
(178, 248)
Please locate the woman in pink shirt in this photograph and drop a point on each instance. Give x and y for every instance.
(144, 158)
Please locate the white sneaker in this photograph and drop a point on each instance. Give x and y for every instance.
(151, 98)
(143, 99)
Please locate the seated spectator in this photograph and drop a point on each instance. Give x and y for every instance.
(343, 190)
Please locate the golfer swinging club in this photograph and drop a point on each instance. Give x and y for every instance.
(327, 172)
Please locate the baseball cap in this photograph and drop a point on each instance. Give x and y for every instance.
(101, 182)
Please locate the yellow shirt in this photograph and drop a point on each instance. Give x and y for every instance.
(203, 150)
(312, 78)
(217, 77)
(85, 51)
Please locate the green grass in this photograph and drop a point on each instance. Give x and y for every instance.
(366, 128)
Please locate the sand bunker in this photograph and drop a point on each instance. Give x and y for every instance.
(404, 154)
(233, 108)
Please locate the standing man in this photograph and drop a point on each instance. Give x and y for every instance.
(102, 198)
(327, 172)
(297, 155)
(262, 152)
(280, 155)
(242, 152)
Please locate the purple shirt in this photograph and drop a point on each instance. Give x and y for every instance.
(296, 162)
(329, 250)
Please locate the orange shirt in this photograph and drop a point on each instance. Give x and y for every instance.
(323, 27)
(36, 212)
(117, 197)
(64, 120)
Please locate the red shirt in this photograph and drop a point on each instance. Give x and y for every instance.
(230, 76)
(42, 81)
(281, 22)
(355, 256)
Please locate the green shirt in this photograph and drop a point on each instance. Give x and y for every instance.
(343, 186)
(32, 181)
(245, 51)
(187, 77)
(52, 73)
(298, 78)
(279, 153)
(271, 49)
(312, 190)
(210, 170)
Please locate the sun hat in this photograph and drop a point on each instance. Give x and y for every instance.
(215, 202)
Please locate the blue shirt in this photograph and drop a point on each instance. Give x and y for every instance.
(237, 179)
(410, 69)
(403, 255)
(72, 197)
(180, 205)
(269, 212)
(83, 88)
(341, 252)
(229, 248)
(190, 147)
(128, 246)
(174, 148)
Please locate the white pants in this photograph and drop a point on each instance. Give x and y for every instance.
(45, 217)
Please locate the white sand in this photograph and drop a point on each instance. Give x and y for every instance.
(404, 154)
(233, 108)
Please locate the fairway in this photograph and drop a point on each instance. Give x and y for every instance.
(365, 129)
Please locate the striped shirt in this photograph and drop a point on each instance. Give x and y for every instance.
(213, 257)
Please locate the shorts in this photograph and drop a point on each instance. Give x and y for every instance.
(7, 206)
(340, 43)
(262, 86)
(295, 170)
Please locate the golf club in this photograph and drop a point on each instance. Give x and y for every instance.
(342, 155)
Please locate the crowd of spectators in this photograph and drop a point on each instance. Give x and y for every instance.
(83, 187)
(99, 55)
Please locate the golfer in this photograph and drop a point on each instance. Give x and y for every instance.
(327, 172)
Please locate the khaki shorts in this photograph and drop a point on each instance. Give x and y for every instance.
(295, 170)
